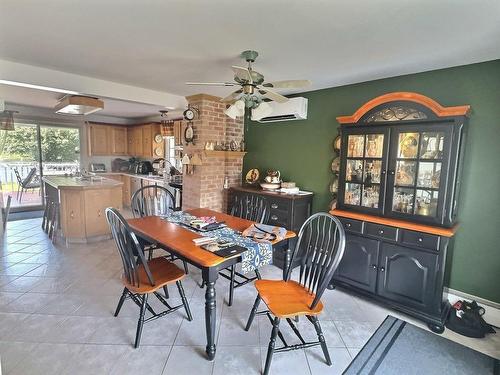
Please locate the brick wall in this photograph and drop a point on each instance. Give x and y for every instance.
(204, 188)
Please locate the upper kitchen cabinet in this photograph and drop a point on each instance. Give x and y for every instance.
(118, 140)
(97, 136)
(401, 157)
(106, 140)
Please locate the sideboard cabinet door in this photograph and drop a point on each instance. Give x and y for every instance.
(407, 276)
(359, 263)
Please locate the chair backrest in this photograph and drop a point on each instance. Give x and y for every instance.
(152, 200)
(18, 176)
(250, 207)
(128, 247)
(321, 243)
(29, 177)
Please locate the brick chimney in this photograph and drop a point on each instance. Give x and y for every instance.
(204, 188)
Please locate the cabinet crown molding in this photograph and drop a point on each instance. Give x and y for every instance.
(414, 97)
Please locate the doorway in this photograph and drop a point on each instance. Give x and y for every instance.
(30, 152)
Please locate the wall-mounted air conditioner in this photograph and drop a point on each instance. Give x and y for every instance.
(294, 109)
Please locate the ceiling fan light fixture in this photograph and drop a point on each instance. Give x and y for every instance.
(261, 111)
(236, 110)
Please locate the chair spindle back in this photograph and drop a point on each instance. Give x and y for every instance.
(321, 241)
(152, 200)
(250, 207)
(128, 247)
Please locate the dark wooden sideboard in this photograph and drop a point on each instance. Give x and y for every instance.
(399, 185)
(285, 210)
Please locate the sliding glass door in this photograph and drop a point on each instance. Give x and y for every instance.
(28, 153)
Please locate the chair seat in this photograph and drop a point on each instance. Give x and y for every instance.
(286, 299)
(163, 271)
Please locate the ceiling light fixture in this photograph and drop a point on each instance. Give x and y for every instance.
(78, 105)
(236, 110)
(37, 87)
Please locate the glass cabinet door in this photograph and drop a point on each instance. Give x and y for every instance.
(364, 170)
(416, 170)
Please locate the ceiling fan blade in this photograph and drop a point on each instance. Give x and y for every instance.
(231, 97)
(266, 93)
(211, 84)
(290, 84)
(242, 73)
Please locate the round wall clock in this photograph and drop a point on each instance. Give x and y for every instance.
(189, 114)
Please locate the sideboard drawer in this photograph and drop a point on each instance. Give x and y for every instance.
(424, 240)
(278, 204)
(279, 218)
(351, 225)
(381, 231)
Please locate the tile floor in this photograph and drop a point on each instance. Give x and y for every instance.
(56, 307)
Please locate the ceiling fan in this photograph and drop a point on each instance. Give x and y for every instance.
(253, 91)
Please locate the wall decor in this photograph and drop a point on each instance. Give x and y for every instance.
(336, 165)
(336, 143)
(189, 134)
(252, 176)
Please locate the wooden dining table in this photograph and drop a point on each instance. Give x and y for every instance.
(179, 241)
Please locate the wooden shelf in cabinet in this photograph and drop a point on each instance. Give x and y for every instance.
(226, 154)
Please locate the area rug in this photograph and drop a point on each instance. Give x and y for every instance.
(398, 347)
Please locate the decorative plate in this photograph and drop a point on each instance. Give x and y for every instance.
(336, 143)
(336, 165)
(334, 186)
(158, 151)
(252, 176)
(158, 138)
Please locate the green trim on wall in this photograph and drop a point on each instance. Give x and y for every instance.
(302, 151)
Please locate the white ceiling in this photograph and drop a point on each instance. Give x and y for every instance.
(160, 44)
(48, 99)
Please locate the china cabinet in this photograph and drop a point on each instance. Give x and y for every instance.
(401, 156)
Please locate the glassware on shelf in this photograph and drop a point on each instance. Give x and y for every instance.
(352, 194)
(405, 173)
(429, 174)
(354, 171)
(408, 145)
(370, 196)
(431, 145)
(402, 200)
(373, 169)
(374, 145)
(426, 202)
(355, 146)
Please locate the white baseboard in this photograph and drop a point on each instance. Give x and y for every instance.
(492, 309)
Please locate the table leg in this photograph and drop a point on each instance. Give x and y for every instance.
(210, 317)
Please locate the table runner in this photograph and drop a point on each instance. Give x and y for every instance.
(258, 254)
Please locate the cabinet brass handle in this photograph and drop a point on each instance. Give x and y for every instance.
(72, 215)
(348, 225)
(382, 269)
(420, 239)
(274, 217)
(392, 173)
(274, 205)
(99, 213)
(381, 231)
(374, 266)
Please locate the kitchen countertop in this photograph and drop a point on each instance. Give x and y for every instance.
(75, 183)
(144, 177)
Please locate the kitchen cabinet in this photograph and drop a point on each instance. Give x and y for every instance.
(118, 139)
(137, 140)
(98, 140)
(147, 141)
(126, 192)
(400, 173)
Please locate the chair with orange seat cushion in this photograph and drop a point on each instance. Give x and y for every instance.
(320, 244)
(140, 277)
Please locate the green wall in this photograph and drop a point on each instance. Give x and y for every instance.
(302, 151)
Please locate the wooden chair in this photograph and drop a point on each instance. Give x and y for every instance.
(153, 200)
(140, 277)
(321, 240)
(254, 208)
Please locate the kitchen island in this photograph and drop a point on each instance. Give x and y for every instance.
(82, 204)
